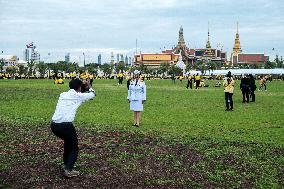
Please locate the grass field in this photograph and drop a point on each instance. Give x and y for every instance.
(186, 139)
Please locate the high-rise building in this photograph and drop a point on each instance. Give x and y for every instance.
(130, 61)
(67, 57)
(121, 58)
(112, 58)
(100, 59)
(26, 55)
(35, 56)
(117, 58)
(126, 60)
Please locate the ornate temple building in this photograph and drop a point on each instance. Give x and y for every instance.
(238, 57)
(189, 56)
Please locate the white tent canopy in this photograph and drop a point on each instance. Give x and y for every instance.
(278, 71)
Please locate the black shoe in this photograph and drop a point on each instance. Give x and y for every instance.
(231, 109)
(134, 125)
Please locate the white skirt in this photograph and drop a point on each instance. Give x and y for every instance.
(136, 105)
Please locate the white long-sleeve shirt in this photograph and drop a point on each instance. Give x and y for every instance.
(137, 91)
(68, 104)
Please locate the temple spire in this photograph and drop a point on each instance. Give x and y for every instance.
(181, 38)
(208, 45)
(237, 46)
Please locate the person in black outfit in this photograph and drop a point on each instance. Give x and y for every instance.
(128, 82)
(244, 86)
(252, 87)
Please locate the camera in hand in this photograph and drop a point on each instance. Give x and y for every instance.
(85, 87)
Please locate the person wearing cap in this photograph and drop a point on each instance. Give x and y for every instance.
(136, 97)
(229, 91)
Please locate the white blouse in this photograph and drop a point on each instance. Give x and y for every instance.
(137, 90)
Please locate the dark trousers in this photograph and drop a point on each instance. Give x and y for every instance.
(252, 96)
(91, 82)
(120, 80)
(245, 92)
(67, 132)
(229, 100)
(197, 84)
(189, 84)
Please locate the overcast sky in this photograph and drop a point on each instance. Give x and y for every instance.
(102, 26)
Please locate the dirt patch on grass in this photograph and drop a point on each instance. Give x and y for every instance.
(31, 158)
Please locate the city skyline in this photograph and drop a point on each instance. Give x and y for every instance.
(96, 27)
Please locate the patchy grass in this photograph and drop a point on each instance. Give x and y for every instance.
(186, 138)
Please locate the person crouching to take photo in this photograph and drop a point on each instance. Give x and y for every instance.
(136, 97)
(63, 117)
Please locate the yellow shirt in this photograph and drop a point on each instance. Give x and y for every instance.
(229, 87)
(197, 77)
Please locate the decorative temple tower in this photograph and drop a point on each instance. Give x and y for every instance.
(237, 46)
(208, 45)
(181, 46)
(208, 52)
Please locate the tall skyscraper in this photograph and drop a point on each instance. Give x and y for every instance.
(35, 56)
(26, 55)
(100, 59)
(121, 58)
(126, 60)
(129, 61)
(112, 58)
(67, 57)
(117, 58)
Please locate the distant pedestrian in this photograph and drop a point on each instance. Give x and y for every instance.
(229, 91)
(262, 83)
(189, 82)
(173, 77)
(197, 81)
(244, 86)
(252, 87)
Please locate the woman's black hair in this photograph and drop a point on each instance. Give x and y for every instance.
(75, 84)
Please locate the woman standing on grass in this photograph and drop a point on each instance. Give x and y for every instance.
(136, 97)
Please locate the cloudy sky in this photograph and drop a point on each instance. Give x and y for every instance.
(104, 26)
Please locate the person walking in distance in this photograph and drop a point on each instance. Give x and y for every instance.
(63, 117)
(229, 91)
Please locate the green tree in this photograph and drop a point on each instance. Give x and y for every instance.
(42, 67)
(106, 69)
(269, 65)
(22, 70)
(174, 70)
(120, 67)
(1, 64)
(30, 67)
(278, 62)
(142, 68)
(212, 66)
(11, 69)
